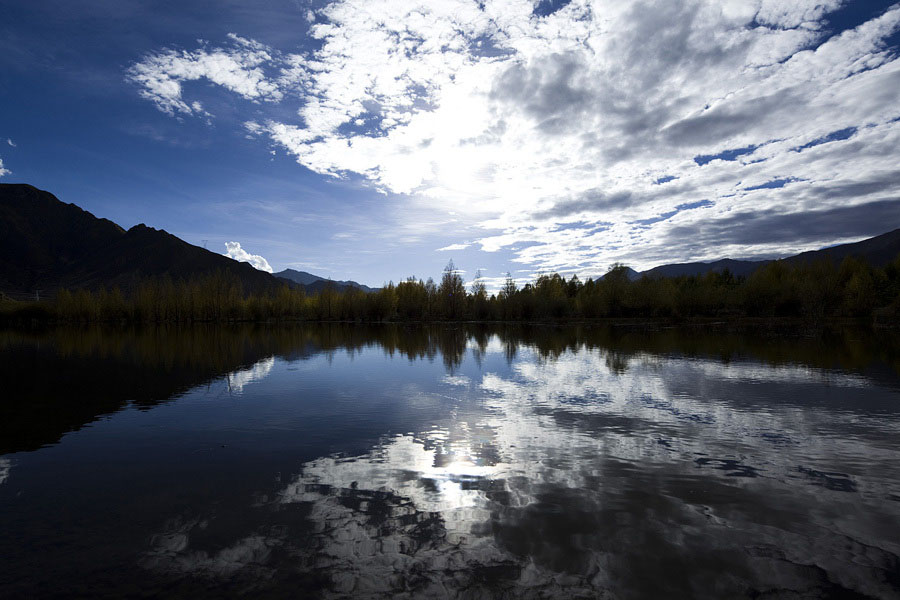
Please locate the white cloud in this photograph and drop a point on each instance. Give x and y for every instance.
(572, 137)
(2, 170)
(10, 142)
(234, 250)
(454, 247)
(238, 69)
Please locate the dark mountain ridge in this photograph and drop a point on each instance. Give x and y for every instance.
(877, 251)
(314, 283)
(737, 267)
(48, 245)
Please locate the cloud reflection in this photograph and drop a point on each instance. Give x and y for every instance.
(242, 377)
(5, 467)
(170, 552)
(593, 473)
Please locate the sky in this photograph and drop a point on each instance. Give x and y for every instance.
(377, 139)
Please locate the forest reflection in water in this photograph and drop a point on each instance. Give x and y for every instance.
(392, 461)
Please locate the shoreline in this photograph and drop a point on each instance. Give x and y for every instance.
(635, 323)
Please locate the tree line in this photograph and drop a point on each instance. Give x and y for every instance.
(179, 354)
(815, 291)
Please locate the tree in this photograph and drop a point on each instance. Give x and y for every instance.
(412, 299)
(573, 287)
(452, 292)
(477, 288)
(509, 287)
(479, 297)
(614, 287)
(432, 299)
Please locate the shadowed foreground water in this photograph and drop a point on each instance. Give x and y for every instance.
(471, 462)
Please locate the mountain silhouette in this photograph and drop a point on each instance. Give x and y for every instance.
(48, 244)
(877, 251)
(314, 283)
(737, 267)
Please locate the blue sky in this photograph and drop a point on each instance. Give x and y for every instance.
(376, 139)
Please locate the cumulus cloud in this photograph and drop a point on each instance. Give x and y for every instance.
(10, 142)
(2, 170)
(238, 69)
(234, 250)
(576, 138)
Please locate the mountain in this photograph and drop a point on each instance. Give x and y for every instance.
(737, 267)
(630, 273)
(877, 251)
(40, 237)
(301, 277)
(314, 283)
(47, 244)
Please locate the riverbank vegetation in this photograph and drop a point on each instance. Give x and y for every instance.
(817, 292)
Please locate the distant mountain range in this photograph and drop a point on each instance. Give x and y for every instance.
(314, 283)
(877, 251)
(46, 245)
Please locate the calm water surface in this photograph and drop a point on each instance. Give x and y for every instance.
(471, 462)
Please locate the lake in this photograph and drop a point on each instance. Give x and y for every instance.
(460, 461)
